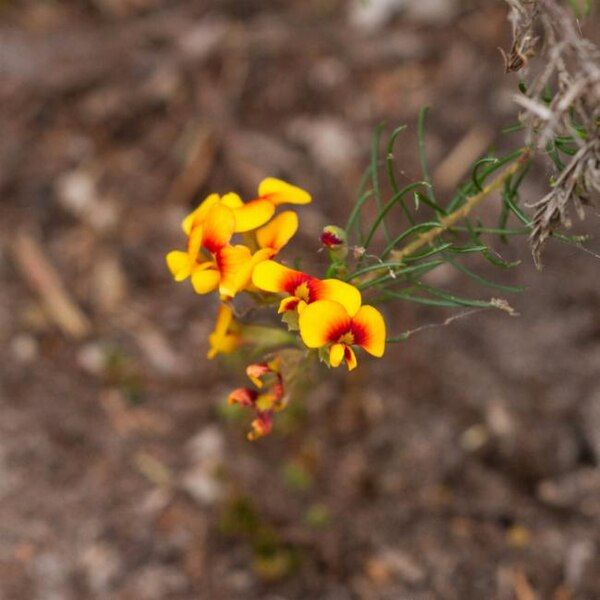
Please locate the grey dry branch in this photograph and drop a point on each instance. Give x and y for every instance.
(561, 110)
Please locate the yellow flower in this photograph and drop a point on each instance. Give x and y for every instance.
(273, 236)
(252, 214)
(229, 270)
(213, 234)
(212, 225)
(279, 192)
(303, 289)
(183, 264)
(230, 208)
(226, 335)
(327, 324)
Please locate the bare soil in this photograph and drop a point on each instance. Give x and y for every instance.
(463, 465)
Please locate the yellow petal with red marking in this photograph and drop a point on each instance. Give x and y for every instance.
(289, 303)
(235, 265)
(350, 357)
(336, 354)
(321, 321)
(278, 232)
(339, 291)
(280, 192)
(270, 276)
(198, 215)
(205, 280)
(252, 215)
(370, 330)
(217, 227)
(179, 264)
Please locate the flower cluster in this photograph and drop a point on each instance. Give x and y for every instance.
(328, 314)
(266, 400)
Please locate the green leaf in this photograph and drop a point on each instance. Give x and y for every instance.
(429, 202)
(517, 212)
(355, 214)
(498, 261)
(476, 166)
(390, 157)
(397, 275)
(422, 151)
(431, 252)
(419, 299)
(469, 189)
(397, 197)
(414, 229)
(513, 289)
(375, 173)
(457, 300)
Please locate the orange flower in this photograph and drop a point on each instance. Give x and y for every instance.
(327, 324)
(303, 289)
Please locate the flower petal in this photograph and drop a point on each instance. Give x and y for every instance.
(271, 276)
(368, 328)
(198, 215)
(179, 264)
(217, 227)
(235, 265)
(261, 426)
(231, 200)
(336, 354)
(243, 397)
(287, 304)
(279, 231)
(205, 280)
(350, 357)
(322, 321)
(255, 371)
(279, 192)
(195, 242)
(220, 341)
(253, 214)
(340, 291)
(224, 345)
(224, 318)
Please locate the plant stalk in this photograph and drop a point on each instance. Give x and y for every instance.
(448, 221)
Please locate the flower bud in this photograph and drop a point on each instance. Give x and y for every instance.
(333, 237)
(335, 240)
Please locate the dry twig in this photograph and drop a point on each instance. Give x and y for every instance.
(572, 71)
(42, 277)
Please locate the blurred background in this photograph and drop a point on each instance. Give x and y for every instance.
(463, 465)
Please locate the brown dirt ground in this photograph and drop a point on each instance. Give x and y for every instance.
(464, 465)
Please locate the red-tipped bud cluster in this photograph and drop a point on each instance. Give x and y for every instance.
(267, 378)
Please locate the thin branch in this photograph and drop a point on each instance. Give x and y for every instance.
(450, 220)
(404, 336)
